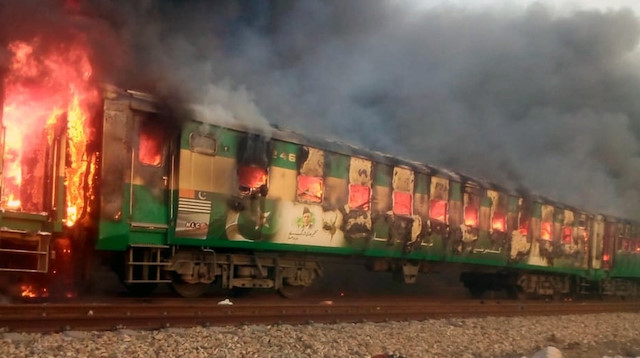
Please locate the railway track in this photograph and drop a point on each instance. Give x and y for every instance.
(154, 314)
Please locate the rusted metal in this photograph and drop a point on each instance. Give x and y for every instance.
(54, 317)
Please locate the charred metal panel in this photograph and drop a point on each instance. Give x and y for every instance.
(116, 158)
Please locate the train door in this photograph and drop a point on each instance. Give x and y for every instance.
(152, 164)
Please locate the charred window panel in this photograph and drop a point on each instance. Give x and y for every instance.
(402, 203)
(310, 189)
(150, 145)
(359, 197)
(202, 144)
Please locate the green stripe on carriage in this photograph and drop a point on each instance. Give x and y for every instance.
(421, 183)
(284, 154)
(337, 165)
(383, 174)
(513, 204)
(226, 139)
(455, 191)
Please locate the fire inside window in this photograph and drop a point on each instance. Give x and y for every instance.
(402, 203)
(150, 146)
(498, 223)
(545, 231)
(251, 178)
(438, 210)
(310, 189)
(359, 197)
(567, 235)
(471, 216)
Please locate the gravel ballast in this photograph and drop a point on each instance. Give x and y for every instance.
(601, 335)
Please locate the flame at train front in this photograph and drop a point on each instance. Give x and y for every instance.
(48, 97)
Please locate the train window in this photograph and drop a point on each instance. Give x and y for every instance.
(546, 226)
(310, 189)
(202, 143)
(498, 222)
(403, 184)
(360, 184)
(402, 203)
(310, 186)
(439, 198)
(567, 235)
(524, 216)
(471, 204)
(150, 145)
(438, 210)
(251, 178)
(253, 161)
(359, 197)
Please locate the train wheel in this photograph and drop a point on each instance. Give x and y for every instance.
(289, 291)
(188, 290)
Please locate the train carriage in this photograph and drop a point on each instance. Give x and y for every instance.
(189, 203)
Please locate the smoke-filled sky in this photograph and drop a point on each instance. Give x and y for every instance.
(539, 95)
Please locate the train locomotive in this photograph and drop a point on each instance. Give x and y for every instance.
(188, 203)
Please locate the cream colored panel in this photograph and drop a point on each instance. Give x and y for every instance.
(314, 165)
(360, 171)
(568, 218)
(185, 179)
(403, 179)
(207, 173)
(439, 188)
(282, 183)
(547, 213)
(224, 174)
(202, 172)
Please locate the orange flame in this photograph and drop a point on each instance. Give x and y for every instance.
(41, 87)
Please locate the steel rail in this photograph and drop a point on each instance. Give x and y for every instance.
(90, 316)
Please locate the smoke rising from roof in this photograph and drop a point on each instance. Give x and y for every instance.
(527, 98)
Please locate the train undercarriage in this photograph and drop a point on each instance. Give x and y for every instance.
(191, 271)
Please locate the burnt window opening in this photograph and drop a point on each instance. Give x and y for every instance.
(310, 186)
(150, 145)
(253, 163)
(310, 189)
(524, 217)
(402, 203)
(203, 144)
(472, 197)
(499, 222)
(567, 235)
(438, 210)
(360, 181)
(438, 204)
(359, 197)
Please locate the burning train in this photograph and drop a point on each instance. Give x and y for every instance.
(101, 175)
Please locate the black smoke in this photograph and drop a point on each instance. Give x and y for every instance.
(529, 98)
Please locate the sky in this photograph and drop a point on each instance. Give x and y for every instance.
(536, 95)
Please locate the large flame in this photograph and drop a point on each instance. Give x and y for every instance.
(46, 88)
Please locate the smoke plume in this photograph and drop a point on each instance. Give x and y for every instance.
(527, 97)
